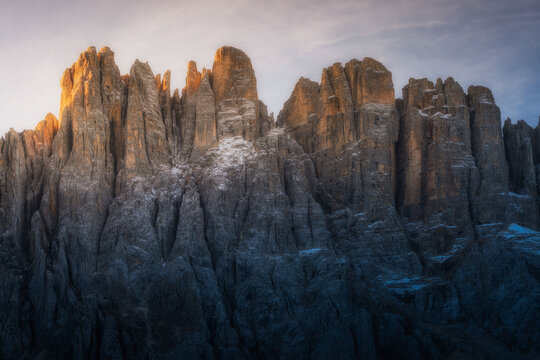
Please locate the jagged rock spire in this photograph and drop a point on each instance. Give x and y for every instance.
(151, 225)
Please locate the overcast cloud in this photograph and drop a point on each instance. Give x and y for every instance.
(495, 43)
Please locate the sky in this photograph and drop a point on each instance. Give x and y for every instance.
(495, 43)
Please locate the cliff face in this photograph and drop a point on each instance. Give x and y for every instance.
(145, 224)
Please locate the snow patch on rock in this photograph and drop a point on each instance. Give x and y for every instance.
(229, 155)
(523, 238)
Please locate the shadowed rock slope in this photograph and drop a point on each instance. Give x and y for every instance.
(145, 224)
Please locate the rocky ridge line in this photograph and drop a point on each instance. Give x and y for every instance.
(150, 225)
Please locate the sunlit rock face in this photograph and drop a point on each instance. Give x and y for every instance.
(235, 88)
(349, 126)
(205, 120)
(151, 223)
(145, 142)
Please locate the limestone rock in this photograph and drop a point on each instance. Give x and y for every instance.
(370, 82)
(340, 87)
(150, 225)
(86, 168)
(13, 178)
(37, 149)
(518, 141)
(146, 147)
(487, 142)
(235, 93)
(205, 116)
(177, 114)
(436, 169)
(114, 92)
(266, 120)
(328, 110)
(166, 104)
(536, 155)
(536, 142)
(233, 76)
(302, 104)
(351, 139)
(300, 112)
(189, 106)
(193, 78)
(488, 150)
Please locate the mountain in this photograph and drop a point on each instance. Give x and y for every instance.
(151, 224)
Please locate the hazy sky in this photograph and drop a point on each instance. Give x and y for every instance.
(495, 43)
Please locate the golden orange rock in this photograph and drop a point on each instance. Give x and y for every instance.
(233, 75)
(193, 78)
(205, 122)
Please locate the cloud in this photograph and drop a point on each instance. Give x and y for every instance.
(493, 43)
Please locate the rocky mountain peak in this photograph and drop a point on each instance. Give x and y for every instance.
(370, 82)
(233, 75)
(520, 145)
(146, 224)
(193, 78)
(106, 54)
(302, 104)
(48, 125)
(479, 95)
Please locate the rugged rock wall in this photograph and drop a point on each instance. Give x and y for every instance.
(150, 225)
(521, 145)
